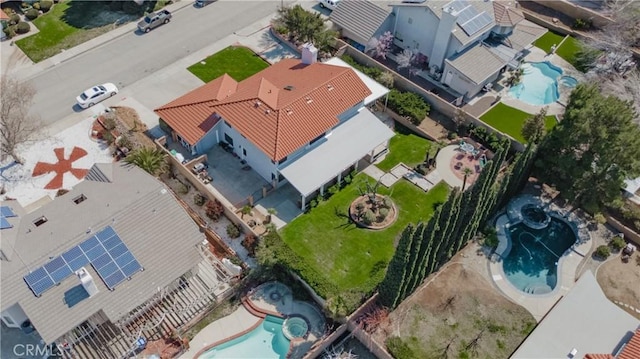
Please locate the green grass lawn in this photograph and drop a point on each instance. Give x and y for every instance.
(547, 40)
(510, 120)
(239, 62)
(405, 147)
(68, 24)
(568, 50)
(352, 258)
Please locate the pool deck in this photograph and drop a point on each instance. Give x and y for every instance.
(239, 322)
(537, 305)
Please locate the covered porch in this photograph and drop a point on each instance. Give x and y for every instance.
(363, 136)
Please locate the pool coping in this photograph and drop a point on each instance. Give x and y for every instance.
(537, 304)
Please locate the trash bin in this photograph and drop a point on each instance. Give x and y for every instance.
(26, 327)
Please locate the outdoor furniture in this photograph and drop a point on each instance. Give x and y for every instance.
(467, 147)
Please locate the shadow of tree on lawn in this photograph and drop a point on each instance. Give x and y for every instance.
(93, 14)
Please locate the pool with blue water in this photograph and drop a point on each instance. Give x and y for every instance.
(538, 84)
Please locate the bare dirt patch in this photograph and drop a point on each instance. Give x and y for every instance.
(619, 281)
(458, 315)
(132, 127)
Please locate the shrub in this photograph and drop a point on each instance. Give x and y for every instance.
(387, 202)
(617, 243)
(214, 210)
(116, 5)
(372, 72)
(199, 199)
(489, 139)
(233, 230)
(23, 27)
(250, 242)
(183, 188)
(409, 104)
(491, 240)
(313, 203)
(109, 123)
(14, 19)
(582, 24)
(10, 31)
(382, 214)
(36, 5)
(368, 217)
(599, 218)
(332, 190)
(399, 349)
(125, 141)
(131, 8)
(46, 5)
(281, 29)
(107, 136)
(31, 14)
(347, 179)
(603, 252)
(359, 207)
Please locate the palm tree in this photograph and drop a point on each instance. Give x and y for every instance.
(466, 172)
(271, 212)
(152, 160)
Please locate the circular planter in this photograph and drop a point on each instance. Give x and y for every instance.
(386, 222)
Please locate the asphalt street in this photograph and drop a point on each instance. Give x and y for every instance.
(135, 56)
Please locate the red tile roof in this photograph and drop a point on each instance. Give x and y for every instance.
(279, 109)
(599, 356)
(631, 350)
(3, 15)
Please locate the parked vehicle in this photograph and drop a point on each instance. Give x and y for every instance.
(96, 94)
(154, 20)
(203, 3)
(329, 4)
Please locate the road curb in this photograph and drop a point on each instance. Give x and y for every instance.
(86, 46)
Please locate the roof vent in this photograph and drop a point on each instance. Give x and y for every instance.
(289, 111)
(267, 111)
(257, 104)
(289, 88)
(330, 87)
(309, 100)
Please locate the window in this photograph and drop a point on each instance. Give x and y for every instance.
(40, 221)
(79, 199)
(228, 139)
(8, 320)
(244, 151)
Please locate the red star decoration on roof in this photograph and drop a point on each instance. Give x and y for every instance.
(61, 167)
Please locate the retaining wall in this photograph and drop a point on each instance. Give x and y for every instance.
(576, 12)
(629, 234)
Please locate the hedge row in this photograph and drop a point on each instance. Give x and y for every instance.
(409, 104)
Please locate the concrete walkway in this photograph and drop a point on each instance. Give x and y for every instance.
(237, 322)
(443, 166)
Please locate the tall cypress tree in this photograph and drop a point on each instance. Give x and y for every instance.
(412, 263)
(392, 283)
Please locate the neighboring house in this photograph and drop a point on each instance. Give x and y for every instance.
(297, 121)
(584, 322)
(113, 260)
(462, 44)
(361, 21)
(632, 190)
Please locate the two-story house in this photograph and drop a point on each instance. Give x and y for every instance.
(98, 271)
(462, 44)
(297, 121)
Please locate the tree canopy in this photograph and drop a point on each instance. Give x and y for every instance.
(150, 159)
(534, 129)
(593, 150)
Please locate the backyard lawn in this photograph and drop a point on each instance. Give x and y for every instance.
(352, 258)
(405, 147)
(69, 24)
(547, 40)
(237, 61)
(568, 50)
(510, 120)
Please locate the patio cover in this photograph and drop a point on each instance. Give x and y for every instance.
(478, 63)
(347, 144)
(377, 90)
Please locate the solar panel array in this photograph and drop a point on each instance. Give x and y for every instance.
(6, 212)
(469, 19)
(105, 251)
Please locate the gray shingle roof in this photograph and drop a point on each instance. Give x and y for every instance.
(436, 7)
(363, 18)
(524, 34)
(477, 63)
(156, 229)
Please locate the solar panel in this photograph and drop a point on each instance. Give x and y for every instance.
(4, 223)
(477, 23)
(456, 5)
(105, 251)
(6, 212)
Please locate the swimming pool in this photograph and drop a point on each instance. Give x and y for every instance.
(568, 81)
(538, 85)
(266, 342)
(532, 262)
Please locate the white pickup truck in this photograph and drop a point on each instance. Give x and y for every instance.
(154, 20)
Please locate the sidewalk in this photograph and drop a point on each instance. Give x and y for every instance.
(26, 72)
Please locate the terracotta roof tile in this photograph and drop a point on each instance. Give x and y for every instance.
(631, 350)
(3, 15)
(506, 13)
(599, 356)
(279, 109)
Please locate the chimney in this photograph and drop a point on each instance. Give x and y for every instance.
(309, 54)
(446, 26)
(87, 282)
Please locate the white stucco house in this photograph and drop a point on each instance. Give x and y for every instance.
(297, 121)
(462, 44)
